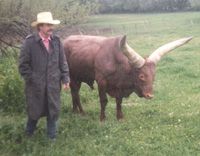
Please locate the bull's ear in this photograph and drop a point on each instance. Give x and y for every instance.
(122, 41)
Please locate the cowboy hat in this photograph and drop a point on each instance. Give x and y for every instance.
(45, 17)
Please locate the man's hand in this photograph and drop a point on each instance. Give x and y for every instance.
(65, 86)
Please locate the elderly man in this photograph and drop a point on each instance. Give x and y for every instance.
(43, 66)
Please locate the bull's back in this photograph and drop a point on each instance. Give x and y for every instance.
(81, 52)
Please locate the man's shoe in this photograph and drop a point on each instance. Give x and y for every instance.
(29, 135)
(51, 139)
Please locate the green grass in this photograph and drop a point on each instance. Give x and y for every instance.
(168, 125)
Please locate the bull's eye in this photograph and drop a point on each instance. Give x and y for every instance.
(142, 77)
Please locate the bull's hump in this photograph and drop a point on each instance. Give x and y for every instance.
(86, 38)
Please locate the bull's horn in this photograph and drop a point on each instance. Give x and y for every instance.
(134, 58)
(158, 53)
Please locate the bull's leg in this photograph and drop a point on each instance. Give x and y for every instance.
(75, 87)
(119, 110)
(103, 102)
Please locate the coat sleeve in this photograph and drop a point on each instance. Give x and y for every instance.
(24, 67)
(63, 66)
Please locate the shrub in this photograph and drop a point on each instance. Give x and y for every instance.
(11, 86)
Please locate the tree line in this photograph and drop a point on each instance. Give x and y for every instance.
(147, 6)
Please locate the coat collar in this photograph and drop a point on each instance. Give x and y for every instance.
(38, 38)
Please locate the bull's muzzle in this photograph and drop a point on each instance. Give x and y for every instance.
(148, 95)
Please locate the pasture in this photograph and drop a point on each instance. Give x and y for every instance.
(167, 125)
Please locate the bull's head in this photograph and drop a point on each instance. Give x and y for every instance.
(146, 67)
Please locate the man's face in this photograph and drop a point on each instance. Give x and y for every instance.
(46, 29)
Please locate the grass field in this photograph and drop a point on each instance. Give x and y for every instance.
(168, 125)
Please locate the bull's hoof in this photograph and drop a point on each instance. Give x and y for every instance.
(75, 111)
(102, 119)
(83, 114)
(121, 119)
(119, 116)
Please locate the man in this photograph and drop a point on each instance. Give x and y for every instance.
(43, 66)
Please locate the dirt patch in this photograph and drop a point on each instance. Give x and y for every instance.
(130, 104)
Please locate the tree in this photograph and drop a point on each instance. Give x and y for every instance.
(132, 6)
(16, 17)
(135, 6)
(195, 5)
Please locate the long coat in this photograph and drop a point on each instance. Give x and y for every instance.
(43, 72)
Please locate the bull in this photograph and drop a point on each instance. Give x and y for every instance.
(114, 65)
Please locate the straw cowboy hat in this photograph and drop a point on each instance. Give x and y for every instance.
(45, 17)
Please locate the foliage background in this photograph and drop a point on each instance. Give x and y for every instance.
(147, 6)
(16, 17)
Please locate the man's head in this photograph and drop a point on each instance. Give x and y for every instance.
(45, 23)
(45, 29)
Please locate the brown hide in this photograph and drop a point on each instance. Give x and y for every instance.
(99, 58)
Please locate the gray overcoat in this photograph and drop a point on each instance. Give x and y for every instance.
(43, 72)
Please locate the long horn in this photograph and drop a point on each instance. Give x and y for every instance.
(158, 53)
(134, 58)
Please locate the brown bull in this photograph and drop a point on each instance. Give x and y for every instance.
(116, 67)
